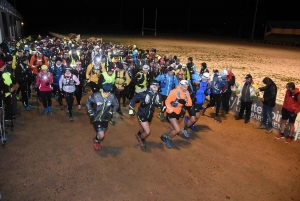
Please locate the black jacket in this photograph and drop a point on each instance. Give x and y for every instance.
(270, 92)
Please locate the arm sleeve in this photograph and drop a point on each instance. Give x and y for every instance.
(76, 80)
(89, 102)
(189, 102)
(51, 79)
(60, 81)
(127, 78)
(14, 63)
(139, 96)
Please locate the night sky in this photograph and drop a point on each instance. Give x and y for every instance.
(231, 17)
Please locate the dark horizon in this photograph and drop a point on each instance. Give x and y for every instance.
(223, 18)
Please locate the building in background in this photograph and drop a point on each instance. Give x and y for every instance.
(11, 24)
(283, 31)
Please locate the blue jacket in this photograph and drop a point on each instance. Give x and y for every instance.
(167, 83)
(219, 85)
(57, 72)
(148, 101)
(201, 92)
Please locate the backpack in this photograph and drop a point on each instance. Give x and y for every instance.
(163, 83)
(295, 96)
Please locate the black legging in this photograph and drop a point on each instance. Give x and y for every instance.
(216, 101)
(225, 101)
(78, 93)
(94, 86)
(24, 93)
(119, 95)
(56, 91)
(36, 88)
(69, 99)
(46, 98)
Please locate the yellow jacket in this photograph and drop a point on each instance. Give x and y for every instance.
(122, 78)
(93, 73)
(186, 73)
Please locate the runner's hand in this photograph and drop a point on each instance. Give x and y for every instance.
(131, 112)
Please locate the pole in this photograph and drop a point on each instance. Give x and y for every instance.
(155, 22)
(189, 19)
(254, 20)
(143, 23)
(121, 16)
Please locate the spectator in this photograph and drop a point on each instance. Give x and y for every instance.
(247, 91)
(269, 101)
(290, 109)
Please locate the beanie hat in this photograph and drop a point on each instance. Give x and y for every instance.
(8, 58)
(1, 63)
(44, 67)
(58, 59)
(119, 65)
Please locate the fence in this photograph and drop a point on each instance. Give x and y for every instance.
(257, 113)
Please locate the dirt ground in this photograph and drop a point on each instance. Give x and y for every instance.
(50, 158)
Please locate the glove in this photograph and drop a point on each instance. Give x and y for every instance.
(131, 112)
(92, 116)
(183, 102)
(47, 83)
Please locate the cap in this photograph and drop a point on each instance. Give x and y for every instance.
(107, 87)
(145, 67)
(224, 72)
(1, 63)
(183, 82)
(248, 76)
(44, 67)
(205, 75)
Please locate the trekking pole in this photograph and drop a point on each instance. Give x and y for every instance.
(2, 127)
(11, 113)
(38, 105)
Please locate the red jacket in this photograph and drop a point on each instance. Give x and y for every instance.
(290, 104)
(42, 78)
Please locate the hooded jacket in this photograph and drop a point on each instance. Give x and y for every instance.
(270, 92)
(149, 100)
(290, 104)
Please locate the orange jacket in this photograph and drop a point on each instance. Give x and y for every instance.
(36, 61)
(174, 96)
